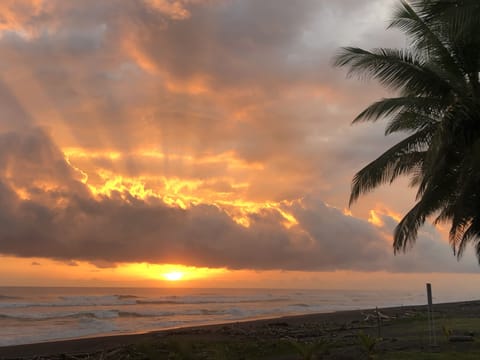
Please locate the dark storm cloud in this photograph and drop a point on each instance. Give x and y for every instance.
(66, 223)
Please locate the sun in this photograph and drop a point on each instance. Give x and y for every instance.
(173, 273)
(173, 276)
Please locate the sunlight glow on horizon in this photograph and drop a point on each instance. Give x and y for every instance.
(169, 272)
(47, 272)
(173, 276)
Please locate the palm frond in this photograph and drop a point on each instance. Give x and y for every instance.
(406, 231)
(473, 231)
(400, 159)
(393, 106)
(423, 37)
(438, 103)
(395, 69)
(459, 17)
(408, 121)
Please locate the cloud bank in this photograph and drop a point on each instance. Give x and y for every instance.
(205, 132)
(46, 211)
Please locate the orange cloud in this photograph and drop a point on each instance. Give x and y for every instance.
(375, 219)
(221, 133)
(176, 191)
(176, 9)
(15, 15)
(139, 56)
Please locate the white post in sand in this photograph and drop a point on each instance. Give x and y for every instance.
(431, 321)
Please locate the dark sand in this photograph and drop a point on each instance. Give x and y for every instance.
(401, 329)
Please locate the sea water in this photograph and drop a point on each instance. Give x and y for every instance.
(38, 314)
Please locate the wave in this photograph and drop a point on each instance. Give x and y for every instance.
(97, 300)
(205, 312)
(76, 301)
(97, 314)
(174, 300)
(299, 305)
(123, 300)
(123, 297)
(111, 314)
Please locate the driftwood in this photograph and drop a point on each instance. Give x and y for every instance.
(460, 338)
(375, 316)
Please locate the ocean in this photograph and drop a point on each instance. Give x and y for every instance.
(39, 314)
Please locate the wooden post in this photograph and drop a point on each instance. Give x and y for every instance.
(431, 321)
(379, 323)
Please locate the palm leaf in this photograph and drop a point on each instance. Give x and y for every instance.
(400, 159)
(393, 106)
(395, 69)
(423, 37)
(438, 103)
(408, 121)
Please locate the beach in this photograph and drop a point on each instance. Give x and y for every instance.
(239, 180)
(387, 333)
(32, 314)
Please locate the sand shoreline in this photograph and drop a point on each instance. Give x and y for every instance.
(103, 341)
(297, 326)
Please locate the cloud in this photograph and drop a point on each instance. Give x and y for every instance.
(176, 9)
(59, 218)
(166, 125)
(223, 74)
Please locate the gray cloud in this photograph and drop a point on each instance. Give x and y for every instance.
(65, 222)
(251, 78)
(248, 53)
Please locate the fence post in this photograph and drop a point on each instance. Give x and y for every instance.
(431, 321)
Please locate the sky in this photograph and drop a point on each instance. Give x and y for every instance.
(204, 141)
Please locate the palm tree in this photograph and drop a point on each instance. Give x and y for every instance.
(437, 107)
